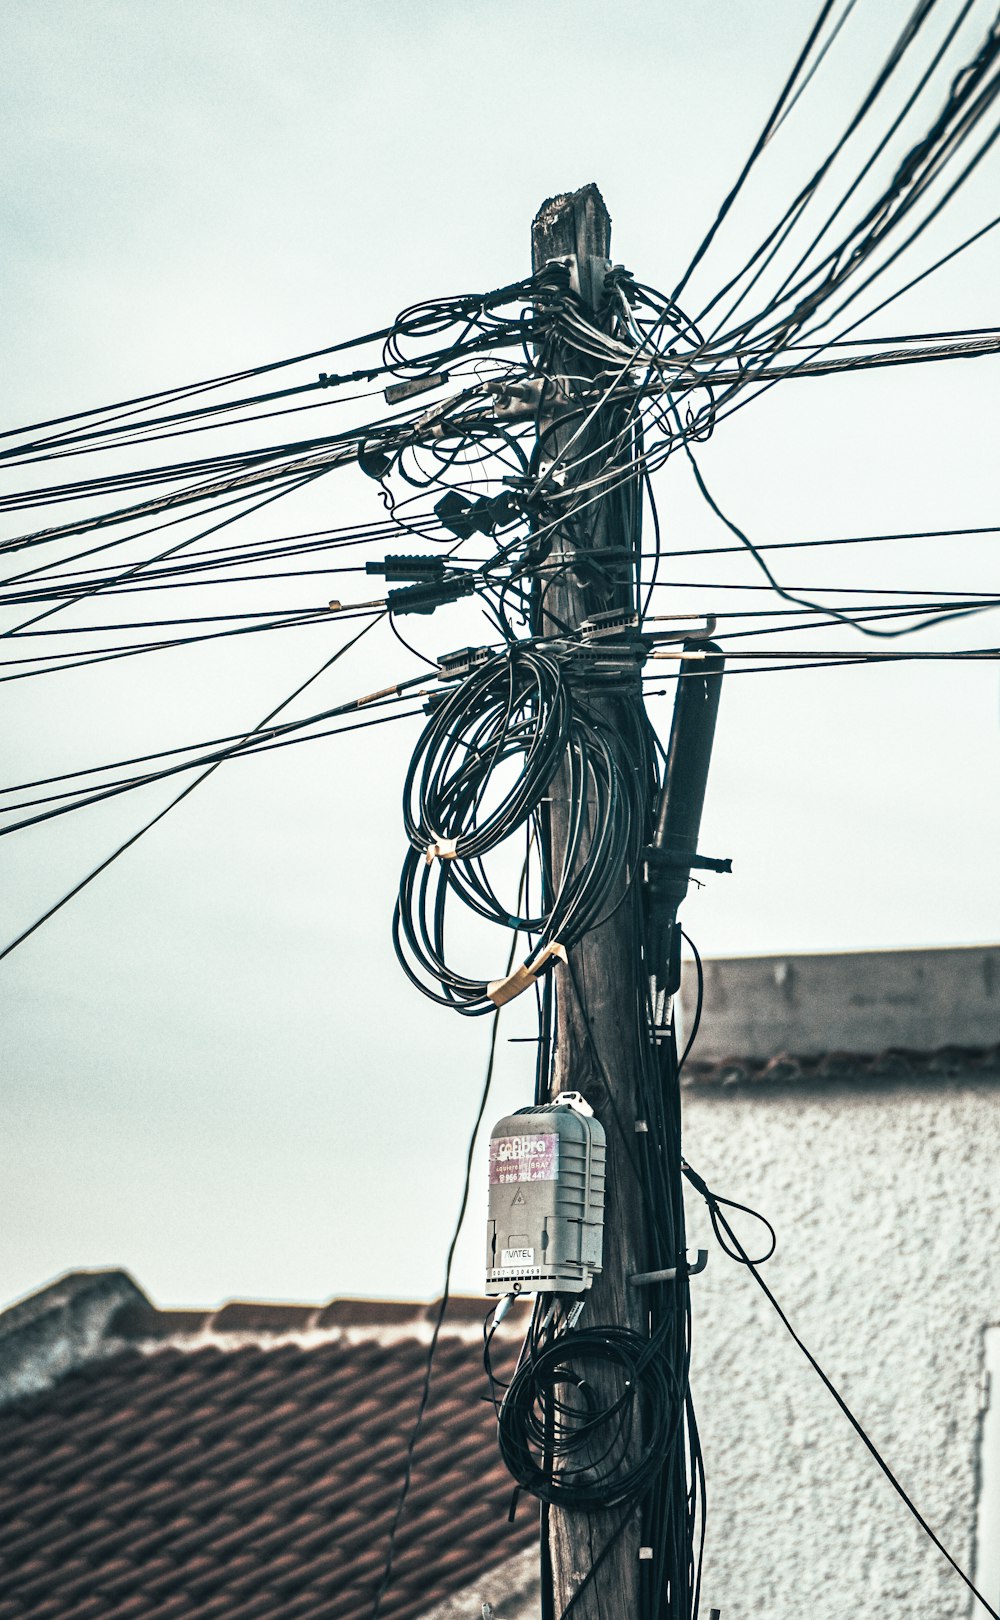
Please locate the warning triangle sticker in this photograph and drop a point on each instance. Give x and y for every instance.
(518, 1198)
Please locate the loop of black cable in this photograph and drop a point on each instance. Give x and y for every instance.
(520, 714)
(734, 1248)
(572, 1448)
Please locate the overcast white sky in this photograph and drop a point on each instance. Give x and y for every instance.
(214, 1072)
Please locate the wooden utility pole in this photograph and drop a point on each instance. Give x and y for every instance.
(604, 965)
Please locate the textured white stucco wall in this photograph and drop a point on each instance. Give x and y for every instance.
(887, 1204)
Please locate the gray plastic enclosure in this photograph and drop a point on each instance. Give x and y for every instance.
(545, 1229)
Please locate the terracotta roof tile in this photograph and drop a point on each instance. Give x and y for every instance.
(186, 1478)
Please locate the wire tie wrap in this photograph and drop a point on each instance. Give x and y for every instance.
(500, 991)
(445, 849)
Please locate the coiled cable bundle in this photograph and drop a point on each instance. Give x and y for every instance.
(480, 775)
(572, 1446)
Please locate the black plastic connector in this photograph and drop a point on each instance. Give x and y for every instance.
(400, 567)
(495, 512)
(430, 594)
(373, 461)
(454, 511)
(464, 517)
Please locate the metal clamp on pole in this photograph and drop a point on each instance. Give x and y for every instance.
(644, 1279)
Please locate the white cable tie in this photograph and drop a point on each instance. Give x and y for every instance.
(445, 849)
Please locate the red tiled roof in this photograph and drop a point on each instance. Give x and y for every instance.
(204, 1471)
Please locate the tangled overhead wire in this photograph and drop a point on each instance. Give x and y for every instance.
(532, 418)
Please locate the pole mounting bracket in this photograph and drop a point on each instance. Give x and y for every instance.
(688, 1268)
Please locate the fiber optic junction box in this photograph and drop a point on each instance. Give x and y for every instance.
(545, 1229)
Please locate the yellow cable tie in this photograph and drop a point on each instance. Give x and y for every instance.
(446, 849)
(501, 991)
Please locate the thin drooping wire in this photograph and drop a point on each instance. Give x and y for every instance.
(758, 148)
(442, 1304)
(93, 590)
(791, 596)
(272, 738)
(102, 866)
(714, 1203)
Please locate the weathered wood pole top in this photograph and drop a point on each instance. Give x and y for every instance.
(573, 222)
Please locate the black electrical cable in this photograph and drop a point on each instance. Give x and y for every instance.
(765, 254)
(736, 1251)
(969, 241)
(518, 713)
(762, 140)
(75, 660)
(133, 838)
(183, 390)
(206, 743)
(434, 315)
(912, 177)
(791, 596)
(731, 1246)
(671, 1537)
(699, 1002)
(441, 1310)
(258, 743)
(576, 1480)
(95, 589)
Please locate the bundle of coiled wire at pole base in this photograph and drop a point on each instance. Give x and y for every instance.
(519, 716)
(570, 1445)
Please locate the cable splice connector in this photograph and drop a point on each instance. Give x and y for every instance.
(464, 517)
(430, 594)
(618, 622)
(414, 385)
(522, 398)
(401, 567)
(455, 666)
(602, 662)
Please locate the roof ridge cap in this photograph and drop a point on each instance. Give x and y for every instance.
(60, 1327)
(87, 1316)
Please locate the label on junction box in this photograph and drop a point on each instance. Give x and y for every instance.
(517, 1257)
(524, 1158)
